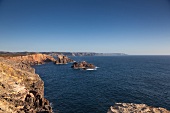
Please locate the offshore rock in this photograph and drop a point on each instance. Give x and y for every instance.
(21, 90)
(83, 65)
(135, 108)
(63, 60)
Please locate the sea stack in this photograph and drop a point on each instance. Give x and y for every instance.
(83, 65)
(63, 60)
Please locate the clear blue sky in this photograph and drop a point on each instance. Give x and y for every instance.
(126, 26)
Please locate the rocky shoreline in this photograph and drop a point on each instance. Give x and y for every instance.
(135, 108)
(21, 89)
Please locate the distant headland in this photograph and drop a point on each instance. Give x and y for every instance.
(5, 53)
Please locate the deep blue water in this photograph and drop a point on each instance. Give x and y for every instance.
(134, 79)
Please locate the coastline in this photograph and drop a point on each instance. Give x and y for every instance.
(25, 93)
(22, 90)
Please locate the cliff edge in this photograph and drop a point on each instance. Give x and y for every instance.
(32, 59)
(21, 90)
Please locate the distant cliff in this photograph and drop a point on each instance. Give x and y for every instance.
(85, 54)
(6, 54)
(32, 59)
(21, 90)
(110, 54)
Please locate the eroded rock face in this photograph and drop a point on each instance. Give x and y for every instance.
(83, 65)
(135, 108)
(33, 59)
(21, 90)
(63, 60)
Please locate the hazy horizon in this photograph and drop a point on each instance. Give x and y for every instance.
(92, 52)
(132, 27)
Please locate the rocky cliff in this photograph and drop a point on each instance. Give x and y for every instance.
(61, 59)
(32, 59)
(21, 90)
(135, 108)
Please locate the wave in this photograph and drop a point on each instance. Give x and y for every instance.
(91, 69)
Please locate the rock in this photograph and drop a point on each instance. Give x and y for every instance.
(135, 108)
(21, 90)
(31, 100)
(83, 65)
(47, 107)
(37, 103)
(27, 107)
(21, 111)
(34, 59)
(61, 59)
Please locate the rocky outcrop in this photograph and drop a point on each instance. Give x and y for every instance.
(135, 108)
(21, 90)
(33, 59)
(63, 60)
(83, 65)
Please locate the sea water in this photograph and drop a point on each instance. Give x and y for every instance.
(131, 79)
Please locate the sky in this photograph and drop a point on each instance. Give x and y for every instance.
(135, 27)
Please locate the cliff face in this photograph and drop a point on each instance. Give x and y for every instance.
(135, 108)
(21, 90)
(63, 60)
(33, 59)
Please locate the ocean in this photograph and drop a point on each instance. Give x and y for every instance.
(130, 79)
